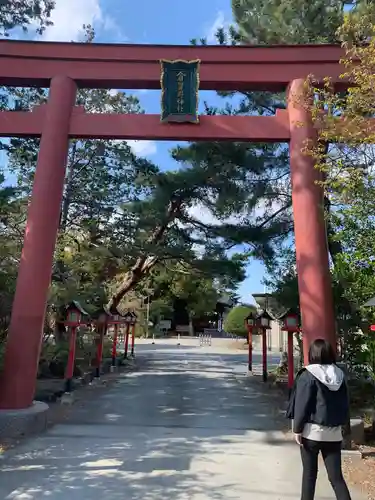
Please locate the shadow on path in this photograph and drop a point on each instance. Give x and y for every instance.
(178, 428)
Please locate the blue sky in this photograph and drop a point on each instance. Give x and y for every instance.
(151, 22)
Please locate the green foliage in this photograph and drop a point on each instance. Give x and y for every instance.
(199, 292)
(161, 308)
(23, 13)
(235, 321)
(288, 22)
(12, 213)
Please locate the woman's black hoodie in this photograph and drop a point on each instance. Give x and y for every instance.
(319, 402)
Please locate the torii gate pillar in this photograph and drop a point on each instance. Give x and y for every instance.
(314, 280)
(17, 385)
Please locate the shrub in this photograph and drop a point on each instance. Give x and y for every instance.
(235, 321)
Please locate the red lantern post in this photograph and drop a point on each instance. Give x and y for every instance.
(74, 313)
(290, 359)
(114, 345)
(128, 319)
(264, 323)
(126, 345)
(69, 371)
(133, 334)
(250, 325)
(291, 325)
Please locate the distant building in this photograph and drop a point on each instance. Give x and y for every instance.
(214, 321)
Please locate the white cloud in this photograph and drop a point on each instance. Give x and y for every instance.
(114, 92)
(199, 250)
(69, 16)
(220, 21)
(203, 214)
(143, 148)
(262, 207)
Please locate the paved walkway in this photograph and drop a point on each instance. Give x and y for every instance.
(185, 426)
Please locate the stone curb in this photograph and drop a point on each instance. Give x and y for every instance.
(86, 379)
(18, 423)
(356, 454)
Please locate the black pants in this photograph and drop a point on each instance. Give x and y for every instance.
(331, 452)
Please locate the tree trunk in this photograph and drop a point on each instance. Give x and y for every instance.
(300, 349)
(140, 269)
(191, 326)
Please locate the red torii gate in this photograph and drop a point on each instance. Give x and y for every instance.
(65, 66)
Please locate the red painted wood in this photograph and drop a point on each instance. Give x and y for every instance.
(223, 128)
(72, 353)
(290, 360)
(22, 124)
(314, 280)
(138, 66)
(114, 345)
(17, 385)
(145, 52)
(116, 126)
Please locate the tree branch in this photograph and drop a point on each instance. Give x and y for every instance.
(145, 263)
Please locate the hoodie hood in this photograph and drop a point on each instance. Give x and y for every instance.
(329, 375)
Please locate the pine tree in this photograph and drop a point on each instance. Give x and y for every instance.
(23, 13)
(267, 22)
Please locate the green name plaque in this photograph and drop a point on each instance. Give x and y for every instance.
(179, 91)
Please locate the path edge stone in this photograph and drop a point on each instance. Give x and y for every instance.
(18, 423)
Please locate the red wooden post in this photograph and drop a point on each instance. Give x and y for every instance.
(264, 354)
(126, 348)
(17, 386)
(314, 280)
(69, 372)
(290, 359)
(250, 339)
(133, 340)
(114, 347)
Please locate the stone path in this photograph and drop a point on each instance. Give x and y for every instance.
(186, 426)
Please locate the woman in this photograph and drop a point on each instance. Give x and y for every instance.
(319, 407)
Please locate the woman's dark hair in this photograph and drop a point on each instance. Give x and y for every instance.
(321, 353)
